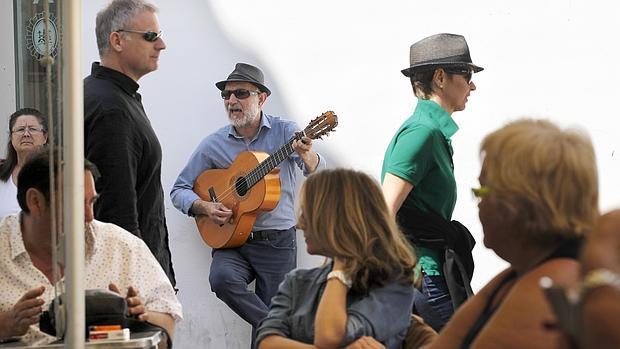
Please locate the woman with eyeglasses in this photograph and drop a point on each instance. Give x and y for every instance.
(538, 199)
(361, 297)
(418, 173)
(27, 132)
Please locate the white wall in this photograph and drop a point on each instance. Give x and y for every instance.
(7, 71)
(552, 59)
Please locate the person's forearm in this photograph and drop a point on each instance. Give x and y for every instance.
(197, 208)
(331, 316)
(278, 342)
(395, 191)
(311, 160)
(164, 320)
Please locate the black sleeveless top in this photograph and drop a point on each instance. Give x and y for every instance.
(568, 249)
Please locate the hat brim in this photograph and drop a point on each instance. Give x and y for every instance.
(408, 71)
(221, 85)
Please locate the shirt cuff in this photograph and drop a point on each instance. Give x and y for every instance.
(266, 333)
(189, 201)
(321, 165)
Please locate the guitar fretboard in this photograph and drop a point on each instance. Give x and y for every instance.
(262, 169)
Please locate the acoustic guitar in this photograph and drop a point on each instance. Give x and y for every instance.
(250, 185)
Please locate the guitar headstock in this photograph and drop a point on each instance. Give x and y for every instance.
(321, 125)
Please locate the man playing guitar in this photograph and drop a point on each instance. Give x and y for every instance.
(270, 250)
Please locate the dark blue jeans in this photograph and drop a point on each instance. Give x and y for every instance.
(434, 303)
(436, 291)
(265, 259)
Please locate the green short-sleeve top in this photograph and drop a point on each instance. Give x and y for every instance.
(421, 153)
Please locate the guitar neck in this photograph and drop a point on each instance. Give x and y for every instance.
(270, 163)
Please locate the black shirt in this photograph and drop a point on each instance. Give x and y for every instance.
(119, 139)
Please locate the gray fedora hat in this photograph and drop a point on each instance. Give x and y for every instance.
(439, 50)
(245, 73)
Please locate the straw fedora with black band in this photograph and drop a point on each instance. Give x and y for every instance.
(245, 73)
(439, 50)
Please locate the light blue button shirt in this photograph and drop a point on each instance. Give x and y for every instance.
(220, 149)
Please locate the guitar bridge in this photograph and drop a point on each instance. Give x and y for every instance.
(213, 198)
(212, 194)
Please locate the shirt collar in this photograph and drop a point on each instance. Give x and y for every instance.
(17, 240)
(123, 81)
(90, 246)
(444, 121)
(264, 122)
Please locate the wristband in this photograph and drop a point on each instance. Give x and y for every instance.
(600, 277)
(338, 274)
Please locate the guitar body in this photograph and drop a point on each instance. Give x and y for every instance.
(245, 204)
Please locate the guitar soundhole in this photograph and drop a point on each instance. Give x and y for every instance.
(241, 185)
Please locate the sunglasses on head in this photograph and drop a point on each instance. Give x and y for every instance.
(148, 36)
(239, 93)
(466, 72)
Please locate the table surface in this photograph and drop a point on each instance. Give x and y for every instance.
(138, 340)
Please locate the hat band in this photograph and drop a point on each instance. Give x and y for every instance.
(244, 77)
(459, 59)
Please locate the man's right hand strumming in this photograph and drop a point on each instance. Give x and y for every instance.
(216, 211)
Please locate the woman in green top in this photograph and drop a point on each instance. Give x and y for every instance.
(418, 172)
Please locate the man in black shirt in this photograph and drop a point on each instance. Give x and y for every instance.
(118, 136)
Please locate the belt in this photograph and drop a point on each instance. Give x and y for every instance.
(265, 234)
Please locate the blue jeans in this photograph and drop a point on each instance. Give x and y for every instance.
(266, 260)
(436, 291)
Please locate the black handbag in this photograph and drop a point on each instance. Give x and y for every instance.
(103, 307)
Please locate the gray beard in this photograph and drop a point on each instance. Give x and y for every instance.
(246, 120)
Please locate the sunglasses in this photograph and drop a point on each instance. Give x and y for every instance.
(148, 36)
(239, 93)
(465, 72)
(480, 192)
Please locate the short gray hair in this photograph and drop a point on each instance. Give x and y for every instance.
(117, 15)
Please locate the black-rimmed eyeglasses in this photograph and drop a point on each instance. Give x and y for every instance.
(239, 93)
(148, 36)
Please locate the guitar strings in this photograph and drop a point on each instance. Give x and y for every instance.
(254, 175)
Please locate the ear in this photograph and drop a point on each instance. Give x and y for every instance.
(439, 79)
(36, 202)
(262, 98)
(439, 76)
(115, 41)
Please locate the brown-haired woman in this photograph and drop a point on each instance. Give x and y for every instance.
(365, 293)
(28, 132)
